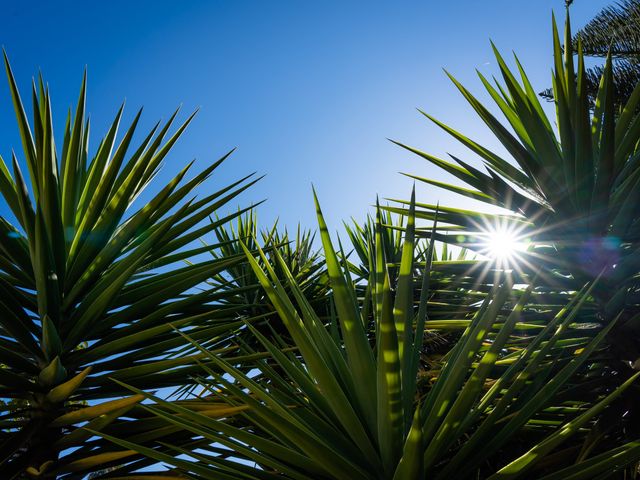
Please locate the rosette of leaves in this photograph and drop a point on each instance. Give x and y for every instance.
(570, 185)
(94, 288)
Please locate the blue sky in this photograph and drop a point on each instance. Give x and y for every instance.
(307, 91)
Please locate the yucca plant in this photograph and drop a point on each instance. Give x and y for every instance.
(245, 295)
(362, 238)
(450, 296)
(571, 193)
(454, 285)
(91, 291)
(301, 256)
(572, 189)
(344, 405)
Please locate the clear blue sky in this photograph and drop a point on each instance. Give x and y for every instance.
(307, 91)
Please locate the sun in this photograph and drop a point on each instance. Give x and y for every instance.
(503, 245)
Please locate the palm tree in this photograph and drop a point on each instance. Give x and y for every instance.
(93, 293)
